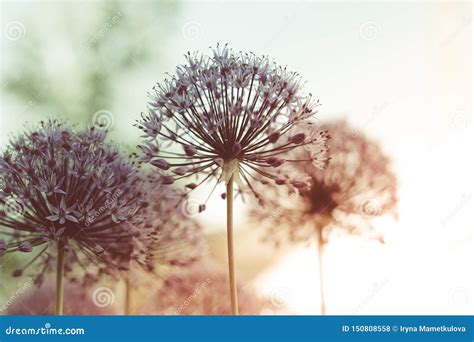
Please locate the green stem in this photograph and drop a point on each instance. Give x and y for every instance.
(230, 246)
(60, 279)
(320, 246)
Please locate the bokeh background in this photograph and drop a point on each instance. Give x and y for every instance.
(400, 72)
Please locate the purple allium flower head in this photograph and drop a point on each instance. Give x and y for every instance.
(357, 184)
(228, 115)
(62, 185)
(203, 290)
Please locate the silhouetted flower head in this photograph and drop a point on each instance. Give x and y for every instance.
(231, 114)
(357, 184)
(203, 290)
(41, 301)
(73, 187)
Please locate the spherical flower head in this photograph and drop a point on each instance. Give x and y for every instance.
(230, 115)
(41, 301)
(66, 186)
(357, 185)
(203, 290)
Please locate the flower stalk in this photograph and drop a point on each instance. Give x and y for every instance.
(128, 297)
(229, 117)
(230, 246)
(320, 252)
(60, 279)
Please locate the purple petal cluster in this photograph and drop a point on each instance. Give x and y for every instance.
(64, 185)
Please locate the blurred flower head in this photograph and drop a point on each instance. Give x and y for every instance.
(203, 290)
(228, 115)
(67, 186)
(167, 239)
(41, 301)
(357, 184)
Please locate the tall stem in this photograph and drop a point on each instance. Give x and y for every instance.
(230, 246)
(60, 279)
(320, 246)
(128, 296)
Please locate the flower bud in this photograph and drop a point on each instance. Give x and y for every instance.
(189, 150)
(161, 164)
(298, 138)
(273, 137)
